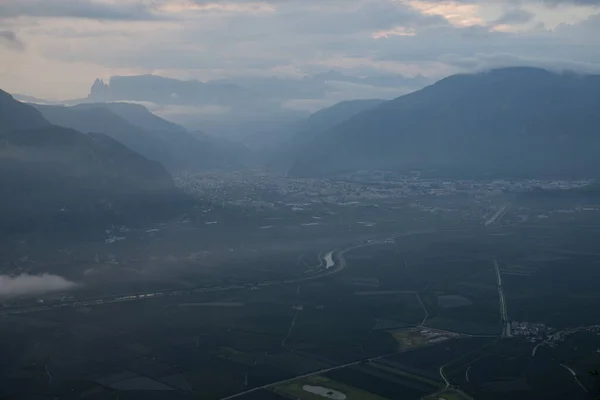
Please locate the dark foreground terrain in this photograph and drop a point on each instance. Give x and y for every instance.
(486, 300)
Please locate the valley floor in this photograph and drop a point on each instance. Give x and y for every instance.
(392, 297)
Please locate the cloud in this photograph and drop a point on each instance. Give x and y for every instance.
(554, 3)
(10, 39)
(483, 61)
(512, 21)
(76, 41)
(516, 16)
(85, 9)
(456, 13)
(397, 31)
(191, 6)
(33, 285)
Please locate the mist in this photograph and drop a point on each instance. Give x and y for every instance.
(33, 285)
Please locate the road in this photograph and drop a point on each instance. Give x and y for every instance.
(448, 387)
(325, 259)
(574, 376)
(291, 328)
(497, 215)
(321, 371)
(446, 381)
(506, 332)
(424, 309)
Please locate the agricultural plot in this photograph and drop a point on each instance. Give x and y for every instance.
(321, 387)
(506, 369)
(431, 358)
(381, 382)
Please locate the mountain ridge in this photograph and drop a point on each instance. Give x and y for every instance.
(163, 90)
(472, 124)
(55, 177)
(140, 130)
(315, 124)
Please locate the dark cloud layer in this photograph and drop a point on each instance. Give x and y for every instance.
(516, 16)
(8, 35)
(553, 3)
(86, 9)
(483, 61)
(288, 38)
(10, 39)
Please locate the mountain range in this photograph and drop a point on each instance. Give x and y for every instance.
(252, 110)
(510, 122)
(53, 176)
(161, 90)
(153, 137)
(239, 90)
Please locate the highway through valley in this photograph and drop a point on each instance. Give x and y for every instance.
(330, 263)
(506, 329)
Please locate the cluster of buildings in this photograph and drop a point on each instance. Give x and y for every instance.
(264, 189)
(529, 330)
(556, 337)
(433, 336)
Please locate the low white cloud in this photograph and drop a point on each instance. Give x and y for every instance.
(33, 285)
(397, 31)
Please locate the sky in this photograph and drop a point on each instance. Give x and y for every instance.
(54, 49)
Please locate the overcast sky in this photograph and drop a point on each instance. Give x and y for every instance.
(56, 48)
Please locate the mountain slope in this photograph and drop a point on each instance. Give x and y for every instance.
(329, 117)
(52, 176)
(304, 132)
(16, 115)
(505, 122)
(137, 128)
(103, 120)
(135, 114)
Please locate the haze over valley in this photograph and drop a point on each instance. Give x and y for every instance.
(309, 200)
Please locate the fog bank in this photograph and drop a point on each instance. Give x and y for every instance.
(30, 285)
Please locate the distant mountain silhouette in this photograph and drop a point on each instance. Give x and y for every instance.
(506, 122)
(51, 175)
(140, 130)
(319, 85)
(237, 91)
(249, 109)
(161, 90)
